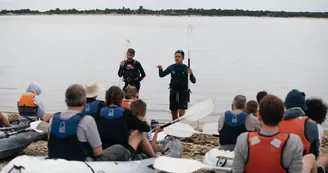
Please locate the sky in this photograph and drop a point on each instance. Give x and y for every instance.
(274, 5)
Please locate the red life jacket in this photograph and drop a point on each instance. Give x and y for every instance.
(126, 103)
(296, 126)
(265, 153)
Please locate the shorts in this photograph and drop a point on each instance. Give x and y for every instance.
(115, 153)
(179, 100)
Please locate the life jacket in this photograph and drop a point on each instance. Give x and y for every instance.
(63, 141)
(26, 106)
(296, 126)
(265, 153)
(91, 108)
(111, 127)
(126, 103)
(131, 72)
(179, 77)
(234, 125)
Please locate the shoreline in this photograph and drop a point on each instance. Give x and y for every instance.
(163, 15)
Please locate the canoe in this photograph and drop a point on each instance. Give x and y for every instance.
(14, 140)
(218, 158)
(29, 164)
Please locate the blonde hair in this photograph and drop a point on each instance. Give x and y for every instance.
(130, 91)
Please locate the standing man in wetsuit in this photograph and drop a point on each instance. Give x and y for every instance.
(131, 70)
(179, 89)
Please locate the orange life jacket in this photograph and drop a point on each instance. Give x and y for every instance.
(265, 153)
(27, 100)
(296, 126)
(126, 104)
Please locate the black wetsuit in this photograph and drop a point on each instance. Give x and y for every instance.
(179, 91)
(132, 73)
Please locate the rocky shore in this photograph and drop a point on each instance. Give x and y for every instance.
(195, 147)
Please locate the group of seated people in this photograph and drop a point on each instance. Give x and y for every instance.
(91, 129)
(277, 137)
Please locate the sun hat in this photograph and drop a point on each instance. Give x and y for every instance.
(93, 89)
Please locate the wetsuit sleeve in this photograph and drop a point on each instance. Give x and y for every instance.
(192, 78)
(120, 71)
(141, 70)
(312, 135)
(241, 154)
(134, 122)
(165, 72)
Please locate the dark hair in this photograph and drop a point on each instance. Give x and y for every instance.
(75, 95)
(271, 110)
(138, 107)
(251, 107)
(260, 95)
(180, 51)
(317, 110)
(130, 91)
(131, 51)
(239, 102)
(114, 95)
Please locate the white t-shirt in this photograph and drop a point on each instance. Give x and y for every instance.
(321, 132)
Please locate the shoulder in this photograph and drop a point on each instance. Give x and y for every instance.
(295, 142)
(242, 139)
(86, 120)
(311, 129)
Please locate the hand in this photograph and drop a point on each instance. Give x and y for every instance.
(189, 71)
(122, 63)
(158, 129)
(159, 67)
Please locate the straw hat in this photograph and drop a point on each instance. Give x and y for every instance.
(93, 89)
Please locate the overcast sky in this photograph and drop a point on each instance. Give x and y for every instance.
(276, 5)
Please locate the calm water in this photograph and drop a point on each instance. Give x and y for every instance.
(229, 56)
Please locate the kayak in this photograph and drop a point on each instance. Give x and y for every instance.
(29, 164)
(14, 140)
(218, 158)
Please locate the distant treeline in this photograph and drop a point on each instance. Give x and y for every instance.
(172, 12)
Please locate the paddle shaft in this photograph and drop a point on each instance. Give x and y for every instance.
(165, 125)
(7, 134)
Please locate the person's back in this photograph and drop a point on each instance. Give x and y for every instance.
(235, 122)
(269, 150)
(30, 106)
(73, 135)
(296, 122)
(111, 127)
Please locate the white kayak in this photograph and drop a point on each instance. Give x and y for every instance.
(218, 158)
(29, 164)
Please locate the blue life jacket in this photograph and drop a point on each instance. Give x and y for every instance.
(91, 108)
(111, 127)
(234, 125)
(64, 143)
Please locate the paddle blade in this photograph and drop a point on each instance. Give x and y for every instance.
(33, 125)
(200, 110)
(43, 126)
(174, 165)
(179, 130)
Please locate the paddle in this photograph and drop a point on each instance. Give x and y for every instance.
(33, 126)
(183, 130)
(173, 165)
(127, 45)
(189, 31)
(194, 113)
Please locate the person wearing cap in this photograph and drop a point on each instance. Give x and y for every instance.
(93, 106)
(295, 121)
(179, 87)
(30, 106)
(235, 122)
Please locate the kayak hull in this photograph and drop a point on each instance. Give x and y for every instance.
(40, 164)
(211, 159)
(14, 144)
